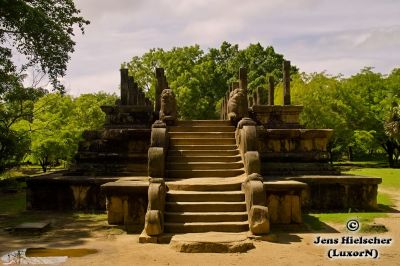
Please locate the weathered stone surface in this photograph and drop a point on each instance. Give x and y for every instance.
(159, 137)
(127, 202)
(80, 194)
(259, 220)
(168, 105)
(32, 227)
(211, 242)
(296, 209)
(156, 196)
(156, 164)
(115, 210)
(286, 82)
(273, 208)
(154, 222)
(237, 105)
(340, 192)
(252, 162)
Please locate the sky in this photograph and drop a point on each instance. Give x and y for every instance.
(341, 36)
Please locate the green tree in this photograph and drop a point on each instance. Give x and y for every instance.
(42, 31)
(200, 79)
(58, 127)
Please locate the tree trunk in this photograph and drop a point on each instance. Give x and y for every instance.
(389, 148)
(350, 153)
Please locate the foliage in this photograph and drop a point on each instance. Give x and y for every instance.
(38, 33)
(355, 107)
(390, 177)
(200, 79)
(42, 31)
(57, 128)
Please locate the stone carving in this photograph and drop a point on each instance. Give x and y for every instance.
(259, 220)
(255, 197)
(168, 105)
(237, 105)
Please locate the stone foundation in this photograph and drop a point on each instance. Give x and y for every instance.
(339, 193)
(60, 192)
(284, 201)
(127, 203)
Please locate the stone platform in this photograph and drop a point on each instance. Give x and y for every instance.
(211, 242)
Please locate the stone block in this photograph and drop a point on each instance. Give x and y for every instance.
(252, 162)
(154, 223)
(115, 210)
(296, 209)
(285, 209)
(259, 220)
(273, 208)
(156, 163)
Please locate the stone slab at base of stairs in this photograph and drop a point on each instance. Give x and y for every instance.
(211, 242)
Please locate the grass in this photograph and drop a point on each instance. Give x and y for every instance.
(391, 179)
(390, 176)
(12, 203)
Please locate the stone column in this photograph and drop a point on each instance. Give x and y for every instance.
(132, 92)
(271, 90)
(124, 86)
(235, 85)
(286, 82)
(243, 79)
(255, 99)
(259, 96)
(159, 88)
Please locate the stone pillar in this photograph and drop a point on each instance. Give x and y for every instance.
(286, 82)
(259, 94)
(243, 79)
(159, 88)
(271, 91)
(124, 86)
(132, 92)
(250, 101)
(255, 99)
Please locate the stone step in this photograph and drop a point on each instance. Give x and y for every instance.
(189, 153)
(204, 173)
(206, 184)
(204, 147)
(220, 159)
(202, 129)
(193, 196)
(214, 206)
(204, 165)
(201, 141)
(206, 227)
(201, 135)
(204, 123)
(185, 217)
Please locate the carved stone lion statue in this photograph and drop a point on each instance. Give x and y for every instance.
(168, 105)
(237, 105)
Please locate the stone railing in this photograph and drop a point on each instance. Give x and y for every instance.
(154, 220)
(253, 185)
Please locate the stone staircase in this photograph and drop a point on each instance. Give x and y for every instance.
(204, 176)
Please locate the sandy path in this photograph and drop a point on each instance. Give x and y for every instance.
(117, 248)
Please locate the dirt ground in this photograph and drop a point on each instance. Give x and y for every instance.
(115, 247)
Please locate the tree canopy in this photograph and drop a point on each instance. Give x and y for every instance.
(40, 30)
(200, 79)
(361, 109)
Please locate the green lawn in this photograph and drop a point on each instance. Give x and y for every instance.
(390, 180)
(390, 177)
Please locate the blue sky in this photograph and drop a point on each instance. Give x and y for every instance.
(340, 36)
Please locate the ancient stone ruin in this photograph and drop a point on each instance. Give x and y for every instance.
(254, 169)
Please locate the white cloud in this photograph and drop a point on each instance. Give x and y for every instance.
(340, 36)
